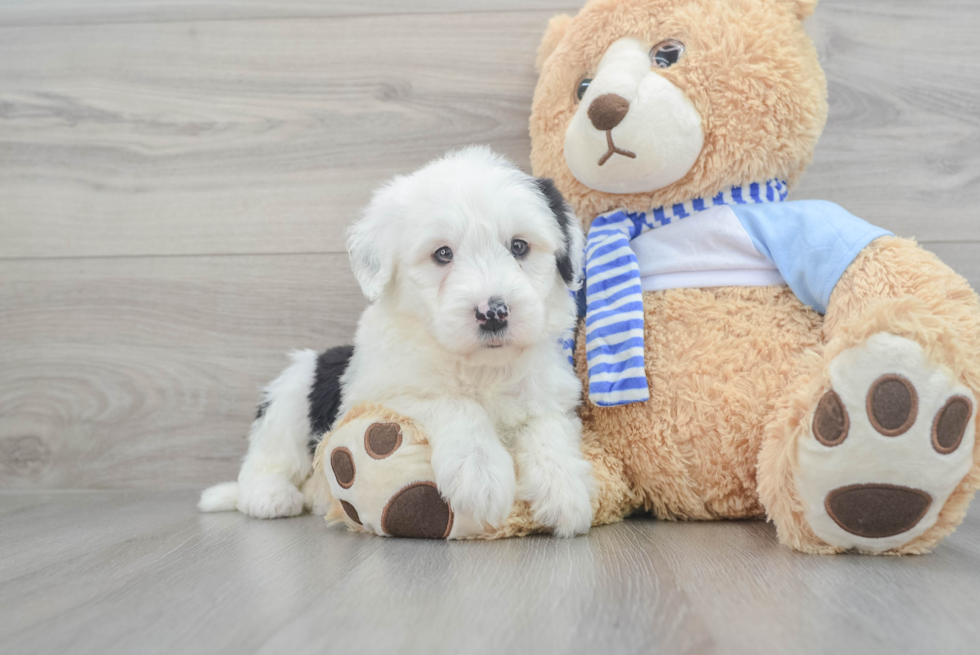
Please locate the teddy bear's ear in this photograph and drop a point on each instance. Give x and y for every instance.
(556, 29)
(803, 8)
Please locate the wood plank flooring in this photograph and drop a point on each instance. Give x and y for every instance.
(140, 572)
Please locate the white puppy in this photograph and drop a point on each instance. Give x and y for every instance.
(468, 264)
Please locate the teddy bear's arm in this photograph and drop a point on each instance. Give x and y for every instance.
(811, 243)
(891, 269)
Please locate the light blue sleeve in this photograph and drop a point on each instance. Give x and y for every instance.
(811, 243)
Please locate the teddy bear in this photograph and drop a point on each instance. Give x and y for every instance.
(742, 355)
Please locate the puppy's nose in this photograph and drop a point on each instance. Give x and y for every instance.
(608, 110)
(492, 314)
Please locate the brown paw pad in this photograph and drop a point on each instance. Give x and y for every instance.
(350, 512)
(342, 463)
(950, 424)
(877, 510)
(893, 405)
(831, 422)
(418, 511)
(382, 439)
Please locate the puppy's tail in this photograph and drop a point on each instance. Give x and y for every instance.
(219, 498)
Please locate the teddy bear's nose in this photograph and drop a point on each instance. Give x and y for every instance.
(608, 110)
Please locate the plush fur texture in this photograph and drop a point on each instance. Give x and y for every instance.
(749, 69)
(736, 373)
(279, 458)
(895, 287)
(325, 396)
(437, 252)
(487, 402)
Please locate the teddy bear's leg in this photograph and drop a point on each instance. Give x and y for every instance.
(876, 450)
(614, 497)
(373, 473)
(377, 466)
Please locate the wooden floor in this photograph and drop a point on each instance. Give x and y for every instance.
(175, 177)
(141, 572)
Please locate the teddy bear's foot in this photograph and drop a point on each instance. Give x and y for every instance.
(889, 443)
(377, 465)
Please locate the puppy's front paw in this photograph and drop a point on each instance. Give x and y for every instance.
(269, 497)
(478, 481)
(559, 494)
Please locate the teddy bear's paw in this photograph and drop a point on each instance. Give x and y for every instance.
(380, 477)
(269, 497)
(889, 442)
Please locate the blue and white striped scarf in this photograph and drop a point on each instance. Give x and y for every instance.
(614, 299)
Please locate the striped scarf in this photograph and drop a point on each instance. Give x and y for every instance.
(614, 299)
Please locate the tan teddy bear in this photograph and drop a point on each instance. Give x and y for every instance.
(741, 356)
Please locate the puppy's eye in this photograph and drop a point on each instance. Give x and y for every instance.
(519, 248)
(666, 53)
(443, 256)
(583, 86)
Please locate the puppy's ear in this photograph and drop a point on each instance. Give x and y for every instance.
(569, 257)
(369, 239)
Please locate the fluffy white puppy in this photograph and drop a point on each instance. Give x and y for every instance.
(468, 264)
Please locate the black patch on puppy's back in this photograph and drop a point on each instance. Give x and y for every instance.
(561, 211)
(325, 395)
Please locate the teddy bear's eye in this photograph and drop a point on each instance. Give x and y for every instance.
(666, 53)
(583, 86)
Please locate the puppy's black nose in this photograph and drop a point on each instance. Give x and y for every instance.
(492, 314)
